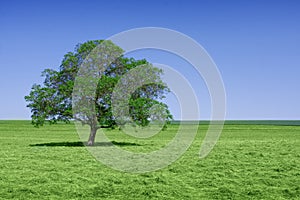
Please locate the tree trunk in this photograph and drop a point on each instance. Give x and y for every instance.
(91, 140)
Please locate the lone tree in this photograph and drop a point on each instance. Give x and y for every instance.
(98, 71)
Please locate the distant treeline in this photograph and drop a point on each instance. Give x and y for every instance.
(203, 122)
(245, 122)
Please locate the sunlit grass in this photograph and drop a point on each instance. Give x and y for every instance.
(248, 162)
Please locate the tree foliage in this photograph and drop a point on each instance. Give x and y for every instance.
(52, 100)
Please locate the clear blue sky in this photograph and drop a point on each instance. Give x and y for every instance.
(255, 44)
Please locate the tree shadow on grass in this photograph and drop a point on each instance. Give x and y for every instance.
(82, 144)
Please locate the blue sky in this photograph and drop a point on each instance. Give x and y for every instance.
(255, 45)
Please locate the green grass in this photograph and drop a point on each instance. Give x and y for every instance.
(250, 161)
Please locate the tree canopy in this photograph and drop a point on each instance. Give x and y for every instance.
(136, 101)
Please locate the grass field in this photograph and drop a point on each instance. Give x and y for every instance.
(250, 161)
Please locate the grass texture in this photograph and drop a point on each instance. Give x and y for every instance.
(250, 161)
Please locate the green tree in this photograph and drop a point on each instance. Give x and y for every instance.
(57, 99)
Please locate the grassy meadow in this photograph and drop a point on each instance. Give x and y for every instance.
(252, 160)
